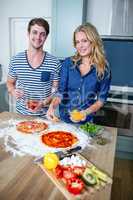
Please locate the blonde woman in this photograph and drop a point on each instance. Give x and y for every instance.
(85, 77)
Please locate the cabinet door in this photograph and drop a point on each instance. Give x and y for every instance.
(19, 39)
(4, 105)
(67, 15)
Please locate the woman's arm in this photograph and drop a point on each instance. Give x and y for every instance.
(51, 111)
(54, 89)
(62, 88)
(93, 108)
(103, 89)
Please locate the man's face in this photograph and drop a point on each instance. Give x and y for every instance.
(37, 36)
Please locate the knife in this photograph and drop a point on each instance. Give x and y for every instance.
(61, 154)
(68, 152)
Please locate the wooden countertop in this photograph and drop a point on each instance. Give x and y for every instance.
(20, 178)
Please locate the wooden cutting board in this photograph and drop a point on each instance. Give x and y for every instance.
(87, 193)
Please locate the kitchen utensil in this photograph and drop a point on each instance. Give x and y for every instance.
(62, 154)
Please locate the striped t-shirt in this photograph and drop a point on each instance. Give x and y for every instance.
(35, 83)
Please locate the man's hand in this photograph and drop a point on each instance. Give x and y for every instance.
(17, 93)
(34, 105)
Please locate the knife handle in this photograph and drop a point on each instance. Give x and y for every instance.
(74, 149)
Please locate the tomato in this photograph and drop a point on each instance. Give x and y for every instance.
(67, 167)
(67, 174)
(59, 171)
(75, 185)
(78, 170)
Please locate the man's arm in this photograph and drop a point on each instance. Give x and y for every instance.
(11, 87)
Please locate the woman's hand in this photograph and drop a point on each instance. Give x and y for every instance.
(51, 115)
(77, 116)
(84, 113)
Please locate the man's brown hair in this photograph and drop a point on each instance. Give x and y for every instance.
(40, 22)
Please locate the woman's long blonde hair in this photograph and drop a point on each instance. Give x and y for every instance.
(97, 55)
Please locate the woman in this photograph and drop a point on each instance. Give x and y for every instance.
(85, 77)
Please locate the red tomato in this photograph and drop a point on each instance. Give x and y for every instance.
(78, 170)
(75, 185)
(67, 167)
(59, 171)
(68, 174)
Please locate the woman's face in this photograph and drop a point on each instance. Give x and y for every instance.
(83, 45)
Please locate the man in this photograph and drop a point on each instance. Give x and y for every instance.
(34, 73)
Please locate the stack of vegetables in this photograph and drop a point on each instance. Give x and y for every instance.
(75, 172)
(91, 128)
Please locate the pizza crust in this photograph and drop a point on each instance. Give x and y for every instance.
(59, 139)
(31, 126)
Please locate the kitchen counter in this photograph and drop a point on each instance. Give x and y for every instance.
(21, 179)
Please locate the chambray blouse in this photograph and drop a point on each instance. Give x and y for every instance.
(80, 92)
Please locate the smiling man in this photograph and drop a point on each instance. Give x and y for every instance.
(34, 73)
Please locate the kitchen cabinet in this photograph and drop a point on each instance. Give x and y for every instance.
(4, 105)
(115, 114)
(124, 147)
(120, 116)
(67, 15)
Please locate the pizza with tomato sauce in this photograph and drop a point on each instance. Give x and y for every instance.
(31, 126)
(59, 139)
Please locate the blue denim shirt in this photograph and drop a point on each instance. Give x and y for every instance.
(80, 92)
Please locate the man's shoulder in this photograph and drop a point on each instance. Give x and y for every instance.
(19, 55)
(52, 58)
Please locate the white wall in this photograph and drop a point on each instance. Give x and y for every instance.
(67, 18)
(99, 13)
(15, 8)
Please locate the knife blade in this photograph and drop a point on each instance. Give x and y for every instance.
(61, 154)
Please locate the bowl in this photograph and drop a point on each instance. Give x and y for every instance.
(92, 129)
(103, 139)
(77, 116)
